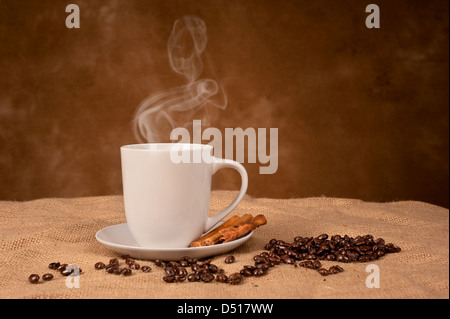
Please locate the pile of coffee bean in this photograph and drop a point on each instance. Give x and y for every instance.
(344, 249)
(114, 267)
(63, 269)
(205, 271)
(307, 251)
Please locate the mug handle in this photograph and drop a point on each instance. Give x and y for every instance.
(219, 163)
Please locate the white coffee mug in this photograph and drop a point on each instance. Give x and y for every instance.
(166, 190)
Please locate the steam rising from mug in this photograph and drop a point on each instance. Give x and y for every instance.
(185, 46)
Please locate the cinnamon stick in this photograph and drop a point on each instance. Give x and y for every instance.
(234, 232)
(216, 238)
(213, 236)
(231, 229)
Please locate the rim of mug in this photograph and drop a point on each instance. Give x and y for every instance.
(165, 147)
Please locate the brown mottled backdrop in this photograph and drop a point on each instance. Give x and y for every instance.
(361, 113)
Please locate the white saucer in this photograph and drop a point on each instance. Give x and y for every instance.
(119, 239)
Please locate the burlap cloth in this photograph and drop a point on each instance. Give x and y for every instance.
(35, 233)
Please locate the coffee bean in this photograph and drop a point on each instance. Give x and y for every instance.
(235, 278)
(194, 277)
(259, 272)
(213, 268)
(169, 278)
(202, 270)
(114, 261)
(127, 271)
(339, 268)
(134, 265)
(206, 262)
(333, 270)
(118, 271)
(180, 278)
(159, 263)
(207, 277)
(264, 266)
(47, 277)
(230, 259)
(195, 267)
(323, 272)
(130, 261)
(33, 278)
(54, 265)
(111, 268)
(146, 269)
(258, 259)
(246, 272)
(169, 271)
(67, 272)
(181, 271)
(221, 278)
(62, 267)
(391, 248)
(172, 264)
(275, 259)
(99, 265)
